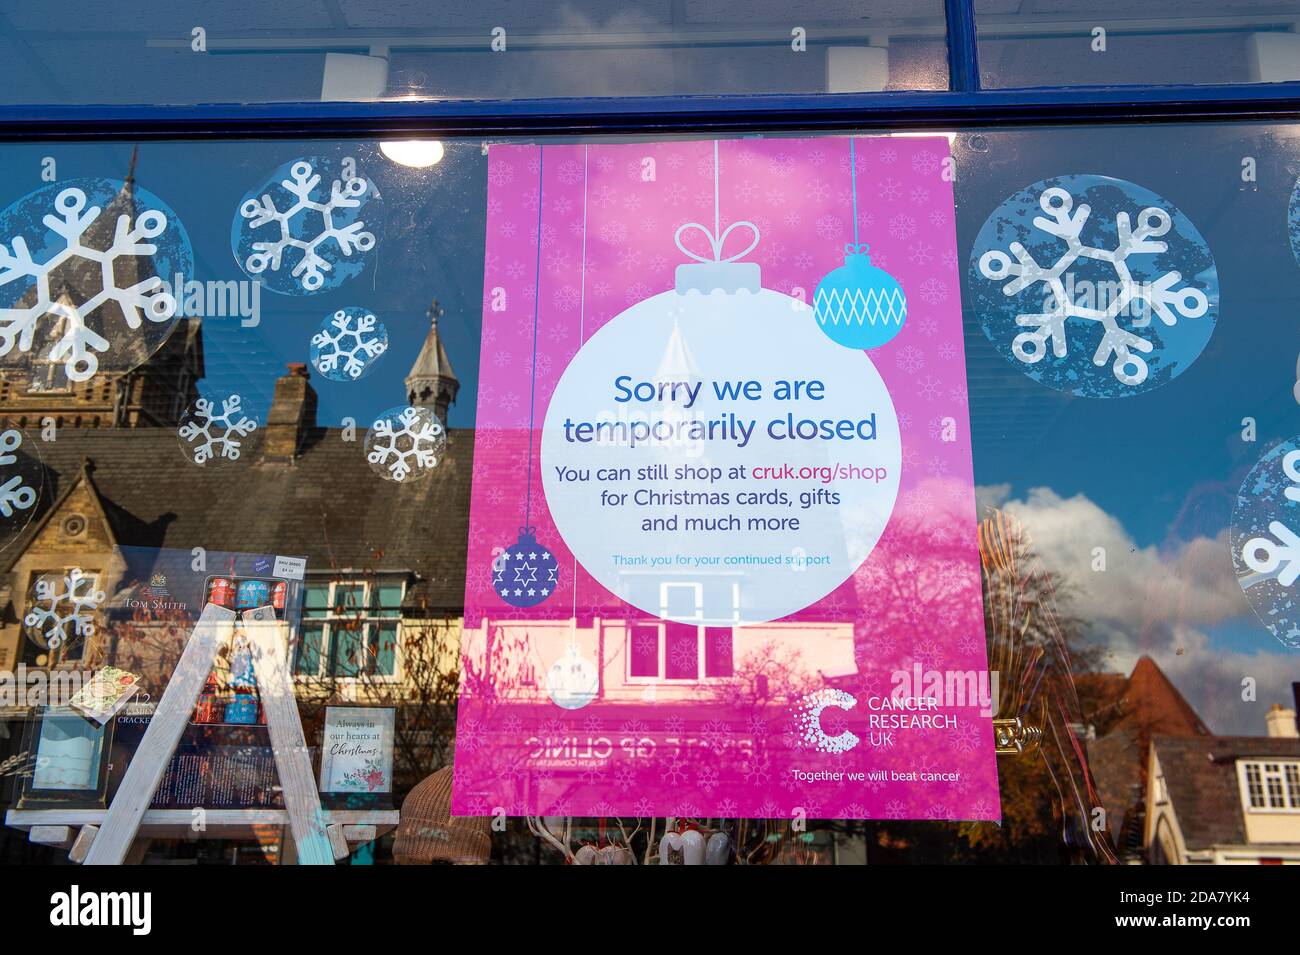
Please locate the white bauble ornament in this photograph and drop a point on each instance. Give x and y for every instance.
(720, 387)
(572, 681)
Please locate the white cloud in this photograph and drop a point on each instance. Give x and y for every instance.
(1212, 680)
(1190, 584)
(1158, 602)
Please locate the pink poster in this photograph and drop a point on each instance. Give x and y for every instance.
(722, 550)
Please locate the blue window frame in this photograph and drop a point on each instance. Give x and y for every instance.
(965, 103)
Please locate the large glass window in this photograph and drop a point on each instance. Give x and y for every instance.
(1160, 42)
(358, 50)
(1115, 362)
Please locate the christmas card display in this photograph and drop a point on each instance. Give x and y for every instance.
(357, 750)
(722, 551)
(106, 693)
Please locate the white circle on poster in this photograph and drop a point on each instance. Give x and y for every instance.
(714, 458)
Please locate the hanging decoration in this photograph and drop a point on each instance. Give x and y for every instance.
(859, 305)
(695, 335)
(526, 573)
(572, 681)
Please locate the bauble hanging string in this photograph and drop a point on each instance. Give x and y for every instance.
(527, 573)
(859, 305)
(719, 272)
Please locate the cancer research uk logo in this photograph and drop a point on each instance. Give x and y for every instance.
(920, 700)
(77, 908)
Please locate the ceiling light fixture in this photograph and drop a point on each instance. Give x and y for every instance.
(417, 153)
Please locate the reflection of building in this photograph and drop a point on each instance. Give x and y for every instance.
(1224, 800)
(1174, 793)
(431, 382)
(378, 553)
(1149, 705)
(659, 661)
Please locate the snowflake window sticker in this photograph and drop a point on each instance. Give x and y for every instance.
(62, 609)
(1266, 540)
(1095, 286)
(348, 345)
(308, 227)
(405, 442)
(211, 437)
(22, 477)
(85, 268)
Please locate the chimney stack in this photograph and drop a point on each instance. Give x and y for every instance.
(1281, 723)
(292, 416)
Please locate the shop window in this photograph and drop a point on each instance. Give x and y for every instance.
(349, 630)
(448, 50)
(1142, 566)
(1083, 43)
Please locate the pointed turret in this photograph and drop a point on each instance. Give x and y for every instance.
(431, 382)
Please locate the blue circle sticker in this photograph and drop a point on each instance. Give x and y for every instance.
(405, 443)
(1094, 286)
(87, 278)
(308, 227)
(1266, 540)
(348, 344)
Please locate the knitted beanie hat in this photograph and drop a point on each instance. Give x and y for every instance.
(428, 833)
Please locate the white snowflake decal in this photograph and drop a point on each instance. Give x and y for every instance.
(355, 343)
(311, 266)
(15, 495)
(1165, 296)
(209, 432)
(79, 343)
(53, 612)
(406, 442)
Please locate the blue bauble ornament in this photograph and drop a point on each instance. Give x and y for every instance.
(859, 305)
(525, 573)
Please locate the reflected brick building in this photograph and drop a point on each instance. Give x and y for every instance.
(115, 476)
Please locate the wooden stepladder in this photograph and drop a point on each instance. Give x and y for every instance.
(266, 635)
